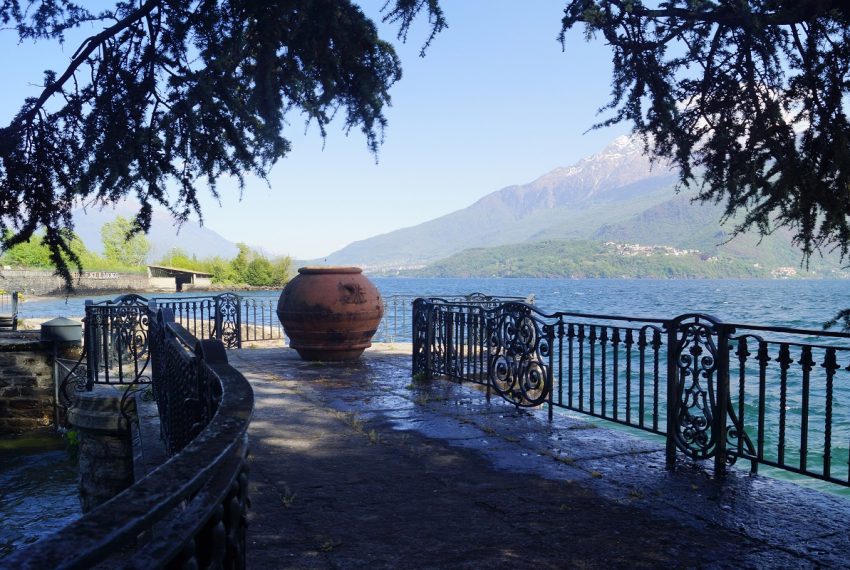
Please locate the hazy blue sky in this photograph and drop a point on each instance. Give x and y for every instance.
(495, 102)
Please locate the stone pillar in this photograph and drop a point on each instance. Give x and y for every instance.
(106, 450)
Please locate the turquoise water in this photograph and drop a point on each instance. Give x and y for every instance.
(798, 303)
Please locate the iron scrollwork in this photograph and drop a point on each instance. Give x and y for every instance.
(696, 356)
(439, 345)
(227, 321)
(129, 333)
(421, 309)
(74, 379)
(116, 340)
(519, 349)
(696, 367)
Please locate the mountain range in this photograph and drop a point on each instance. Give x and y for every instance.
(617, 196)
(564, 203)
(606, 215)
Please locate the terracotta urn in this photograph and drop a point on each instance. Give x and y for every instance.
(330, 313)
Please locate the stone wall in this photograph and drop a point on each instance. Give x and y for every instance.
(26, 382)
(45, 282)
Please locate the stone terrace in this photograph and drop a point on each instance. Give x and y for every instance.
(353, 465)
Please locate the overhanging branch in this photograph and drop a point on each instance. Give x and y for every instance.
(80, 56)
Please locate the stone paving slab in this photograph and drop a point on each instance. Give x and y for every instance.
(356, 466)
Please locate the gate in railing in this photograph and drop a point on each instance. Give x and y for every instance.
(724, 391)
(116, 340)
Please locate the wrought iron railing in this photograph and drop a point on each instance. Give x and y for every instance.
(115, 346)
(218, 317)
(769, 395)
(116, 332)
(259, 320)
(395, 324)
(189, 512)
(115, 342)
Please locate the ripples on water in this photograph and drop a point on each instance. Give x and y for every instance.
(793, 302)
(38, 493)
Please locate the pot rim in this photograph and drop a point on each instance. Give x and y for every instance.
(324, 269)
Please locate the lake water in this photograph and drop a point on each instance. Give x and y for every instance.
(38, 489)
(797, 303)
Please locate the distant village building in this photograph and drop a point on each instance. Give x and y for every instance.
(784, 272)
(173, 279)
(636, 249)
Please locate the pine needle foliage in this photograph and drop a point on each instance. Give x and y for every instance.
(747, 97)
(171, 96)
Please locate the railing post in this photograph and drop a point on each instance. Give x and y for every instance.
(429, 340)
(14, 310)
(218, 319)
(239, 321)
(90, 344)
(485, 348)
(550, 338)
(672, 392)
(721, 410)
(449, 321)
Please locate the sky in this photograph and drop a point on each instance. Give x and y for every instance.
(494, 102)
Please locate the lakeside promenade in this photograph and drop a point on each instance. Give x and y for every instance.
(356, 466)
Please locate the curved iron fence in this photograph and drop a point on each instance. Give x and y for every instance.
(189, 512)
(395, 324)
(773, 396)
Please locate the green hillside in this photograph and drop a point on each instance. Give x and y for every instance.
(679, 222)
(585, 259)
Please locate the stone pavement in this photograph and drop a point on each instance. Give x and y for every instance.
(356, 466)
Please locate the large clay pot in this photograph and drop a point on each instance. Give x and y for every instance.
(330, 313)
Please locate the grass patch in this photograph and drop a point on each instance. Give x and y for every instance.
(374, 437)
(37, 440)
(328, 545)
(352, 420)
(420, 378)
(287, 497)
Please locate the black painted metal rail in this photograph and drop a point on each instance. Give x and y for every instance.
(115, 348)
(774, 396)
(395, 323)
(189, 512)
